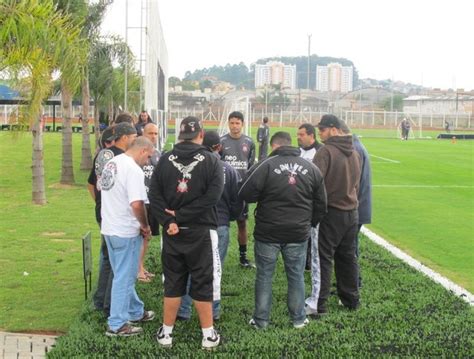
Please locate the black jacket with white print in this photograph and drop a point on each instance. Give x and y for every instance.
(188, 180)
(290, 196)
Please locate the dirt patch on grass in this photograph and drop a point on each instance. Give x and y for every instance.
(62, 186)
(53, 234)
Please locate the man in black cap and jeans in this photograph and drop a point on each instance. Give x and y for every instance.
(340, 165)
(186, 185)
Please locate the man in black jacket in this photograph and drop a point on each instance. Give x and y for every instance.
(186, 185)
(291, 198)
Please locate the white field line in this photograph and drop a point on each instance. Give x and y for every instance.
(385, 159)
(419, 186)
(436, 277)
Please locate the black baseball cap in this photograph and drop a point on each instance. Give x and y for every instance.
(329, 121)
(211, 139)
(122, 129)
(106, 135)
(189, 128)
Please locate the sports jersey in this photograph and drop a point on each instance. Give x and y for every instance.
(238, 152)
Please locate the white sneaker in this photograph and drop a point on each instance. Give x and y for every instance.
(210, 343)
(310, 311)
(165, 340)
(301, 325)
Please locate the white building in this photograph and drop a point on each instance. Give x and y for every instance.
(443, 104)
(274, 73)
(334, 77)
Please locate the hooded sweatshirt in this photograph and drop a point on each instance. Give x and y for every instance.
(341, 168)
(189, 180)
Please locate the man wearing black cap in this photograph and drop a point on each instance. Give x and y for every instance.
(121, 135)
(186, 185)
(340, 165)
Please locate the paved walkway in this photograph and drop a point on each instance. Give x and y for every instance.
(32, 346)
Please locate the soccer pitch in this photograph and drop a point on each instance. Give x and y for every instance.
(423, 202)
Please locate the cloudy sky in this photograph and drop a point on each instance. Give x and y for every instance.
(427, 42)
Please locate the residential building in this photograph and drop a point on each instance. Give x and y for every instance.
(334, 78)
(275, 73)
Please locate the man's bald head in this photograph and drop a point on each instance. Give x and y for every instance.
(150, 131)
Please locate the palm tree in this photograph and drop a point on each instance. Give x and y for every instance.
(36, 40)
(78, 11)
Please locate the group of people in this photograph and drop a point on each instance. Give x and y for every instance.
(310, 200)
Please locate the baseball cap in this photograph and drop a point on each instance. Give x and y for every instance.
(106, 135)
(189, 128)
(211, 139)
(122, 129)
(329, 121)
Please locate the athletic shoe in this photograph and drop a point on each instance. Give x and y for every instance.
(148, 316)
(245, 263)
(301, 325)
(253, 324)
(310, 311)
(165, 340)
(126, 330)
(210, 343)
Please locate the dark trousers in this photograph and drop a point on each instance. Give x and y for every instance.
(263, 151)
(104, 283)
(337, 242)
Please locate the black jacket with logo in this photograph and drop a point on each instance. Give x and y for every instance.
(290, 196)
(189, 180)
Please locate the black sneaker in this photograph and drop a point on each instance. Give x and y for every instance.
(245, 263)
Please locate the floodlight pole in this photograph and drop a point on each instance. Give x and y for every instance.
(309, 55)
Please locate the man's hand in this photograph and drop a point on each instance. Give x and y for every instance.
(145, 232)
(170, 212)
(172, 229)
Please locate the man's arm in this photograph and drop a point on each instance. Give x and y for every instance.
(321, 160)
(139, 211)
(91, 189)
(251, 155)
(319, 199)
(158, 203)
(253, 184)
(236, 204)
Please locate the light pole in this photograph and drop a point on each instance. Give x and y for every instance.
(309, 55)
(125, 104)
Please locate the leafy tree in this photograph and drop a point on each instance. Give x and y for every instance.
(36, 40)
(397, 103)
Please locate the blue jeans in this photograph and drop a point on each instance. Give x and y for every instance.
(186, 301)
(124, 254)
(104, 282)
(294, 258)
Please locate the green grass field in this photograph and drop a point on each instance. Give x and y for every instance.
(403, 313)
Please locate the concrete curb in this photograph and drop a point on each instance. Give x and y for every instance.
(19, 345)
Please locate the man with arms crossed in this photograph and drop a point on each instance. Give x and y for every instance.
(239, 151)
(291, 199)
(340, 165)
(185, 188)
(124, 224)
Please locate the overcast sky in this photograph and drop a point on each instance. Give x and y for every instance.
(427, 42)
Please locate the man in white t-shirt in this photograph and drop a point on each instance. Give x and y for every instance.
(124, 225)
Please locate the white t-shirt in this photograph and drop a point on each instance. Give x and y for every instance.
(122, 183)
(308, 154)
